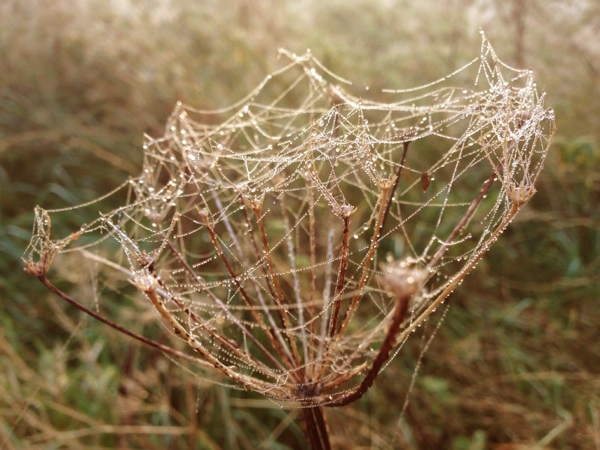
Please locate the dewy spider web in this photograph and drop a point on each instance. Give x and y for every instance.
(295, 239)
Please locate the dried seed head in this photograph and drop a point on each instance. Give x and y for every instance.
(154, 216)
(253, 202)
(144, 281)
(521, 117)
(387, 183)
(36, 269)
(344, 211)
(520, 194)
(284, 303)
(401, 278)
(203, 212)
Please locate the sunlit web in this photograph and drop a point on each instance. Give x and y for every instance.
(278, 236)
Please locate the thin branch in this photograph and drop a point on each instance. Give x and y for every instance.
(387, 346)
(395, 185)
(225, 310)
(163, 348)
(282, 309)
(341, 277)
(385, 190)
(465, 219)
(282, 350)
(313, 263)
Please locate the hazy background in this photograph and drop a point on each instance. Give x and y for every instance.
(516, 362)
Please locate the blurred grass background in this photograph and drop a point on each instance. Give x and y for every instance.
(516, 363)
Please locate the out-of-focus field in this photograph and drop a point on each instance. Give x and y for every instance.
(516, 362)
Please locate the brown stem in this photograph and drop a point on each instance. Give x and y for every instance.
(316, 428)
(257, 288)
(296, 286)
(257, 251)
(313, 278)
(282, 310)
(119, 328)
(224, 308)
(395, 185)
(341, 277)
(385, 190)
(465, 219)
(281, 350)
(387, 346)
(255, 204)
(463, 272)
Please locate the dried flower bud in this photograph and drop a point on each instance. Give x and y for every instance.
(521, 194)
(344, 211)
(521, 117)
(144, 281)
(401, 278)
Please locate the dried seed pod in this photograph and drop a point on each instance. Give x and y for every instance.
(425, 180)
(520, 194)
(401, 278)
(144, 281)
(521, 117)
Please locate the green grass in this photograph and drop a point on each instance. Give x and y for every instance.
(516, 360)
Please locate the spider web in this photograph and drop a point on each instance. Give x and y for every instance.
(276, 236)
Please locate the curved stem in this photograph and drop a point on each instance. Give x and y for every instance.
(465, 219)
(163, 348)
(341, 278)
(209, 362)
(464, 271)
(387, 346)
(281, 349)
(396, 181)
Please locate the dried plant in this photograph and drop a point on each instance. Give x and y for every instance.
(296, 239)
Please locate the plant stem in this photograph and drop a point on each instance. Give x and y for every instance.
(317, 430)
(110, 323)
